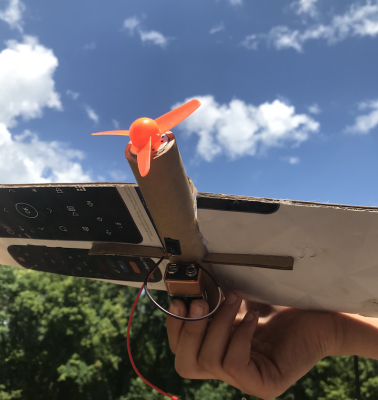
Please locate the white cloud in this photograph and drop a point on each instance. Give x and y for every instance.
(92, 114)
(115, 123)
(305, 7)
(26, 80)
(282, 37)
(236, 2)
(133, 24)
(217, 28)
(154, 37)
(27, 87)
(359, 20)
(293, 160)
(365, 123)
(314, 109)
(12, 15)
(251, 42)
(72, 94)
(27, 159)
(90, 46)
(238, 129)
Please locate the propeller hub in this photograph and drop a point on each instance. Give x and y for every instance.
(142, 129)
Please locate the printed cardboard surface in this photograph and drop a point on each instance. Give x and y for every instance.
(51, 228)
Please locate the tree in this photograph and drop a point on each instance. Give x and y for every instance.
(64, 338)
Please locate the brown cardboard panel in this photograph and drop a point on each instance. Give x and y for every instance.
(169, 198)
(251, 260)
(126, 249)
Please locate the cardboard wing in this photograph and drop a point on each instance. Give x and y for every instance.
(335, 251)
(52, 228)
(289, 253)
(298, 254)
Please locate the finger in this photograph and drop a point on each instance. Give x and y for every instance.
(237, 361)
(262, 309)
(265, 311)
(174, 325)
(243, 309)
(216, 341)
(190, 341)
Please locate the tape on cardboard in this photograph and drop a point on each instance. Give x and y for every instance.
(252, 260)
(121, 249)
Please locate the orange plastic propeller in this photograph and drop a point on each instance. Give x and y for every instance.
(145, 132)
(120, 133)
(172, 118)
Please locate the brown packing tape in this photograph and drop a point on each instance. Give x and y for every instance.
(168, 194)
(252, 260)
(126, 250)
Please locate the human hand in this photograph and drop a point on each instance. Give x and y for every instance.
(260, 356)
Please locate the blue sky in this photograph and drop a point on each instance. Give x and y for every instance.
(289, 92)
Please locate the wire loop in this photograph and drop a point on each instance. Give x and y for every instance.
(176, 316)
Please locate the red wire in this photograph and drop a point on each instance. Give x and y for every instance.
(128, 342)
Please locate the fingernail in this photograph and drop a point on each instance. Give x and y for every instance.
(231, 298)
(174, 309)
(249, 316)
(196, 310)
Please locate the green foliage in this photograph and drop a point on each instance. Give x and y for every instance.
(333, 379)
(13, 394)
(64, 338)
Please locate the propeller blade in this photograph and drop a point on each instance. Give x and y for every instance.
(119, 133)
(172, 118)
(144, 158)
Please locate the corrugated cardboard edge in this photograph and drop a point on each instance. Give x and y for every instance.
(252, 260)
(207, 195)
(287, 202)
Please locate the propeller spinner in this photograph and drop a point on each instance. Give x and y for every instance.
(145, 132)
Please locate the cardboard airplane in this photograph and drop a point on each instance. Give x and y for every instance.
(290, 253)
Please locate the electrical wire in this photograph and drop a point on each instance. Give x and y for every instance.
(357, 377)
(144, 286)
(128, 336)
